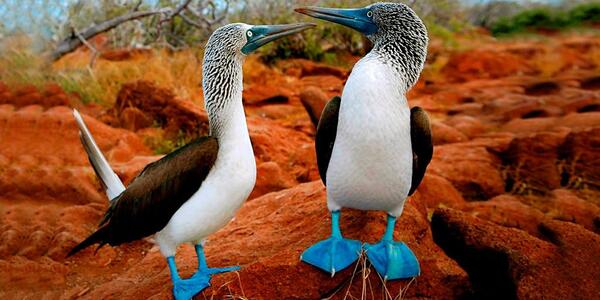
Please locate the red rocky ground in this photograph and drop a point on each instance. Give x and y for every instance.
(509, 208)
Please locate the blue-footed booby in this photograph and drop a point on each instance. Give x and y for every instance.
(372, 149)
(196, 190)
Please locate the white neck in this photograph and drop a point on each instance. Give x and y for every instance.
(232, 128)
(375, 62)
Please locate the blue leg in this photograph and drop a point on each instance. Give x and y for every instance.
(392, 260)
(184, 289)
(335, 253)
(203, 267)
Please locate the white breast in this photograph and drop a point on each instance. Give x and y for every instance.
(371, 163)
(221, 194)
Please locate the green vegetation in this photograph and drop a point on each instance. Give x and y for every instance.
(166, 146)
(175, 60)
(546, 18)
(20, 66)
(443, 18)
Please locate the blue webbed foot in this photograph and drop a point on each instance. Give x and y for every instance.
(212, 271)
(335, 253)
(393, 260)
(203, 267)
(184, 289)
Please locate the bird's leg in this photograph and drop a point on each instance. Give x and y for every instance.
(335, 253)
(392, 260)
(173, 268)
(203, 266)
(335, 225)
(389, 229)
(184, 289)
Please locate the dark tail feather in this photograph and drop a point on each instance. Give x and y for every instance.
(96, 237)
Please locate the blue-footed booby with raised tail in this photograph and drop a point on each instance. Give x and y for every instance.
(197, 189)
(372, 149)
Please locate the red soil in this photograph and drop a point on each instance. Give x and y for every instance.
(509, 207)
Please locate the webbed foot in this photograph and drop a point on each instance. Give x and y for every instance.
(184, 289)
(393, 260)
(335, 253)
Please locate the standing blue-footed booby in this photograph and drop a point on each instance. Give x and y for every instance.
(372, 149)
(197, 189)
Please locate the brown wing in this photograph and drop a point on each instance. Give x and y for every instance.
(325, 137)
(149, 202)
(422, 145)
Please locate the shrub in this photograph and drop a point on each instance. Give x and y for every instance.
(546, 18)
(585, 13)
(534, 19)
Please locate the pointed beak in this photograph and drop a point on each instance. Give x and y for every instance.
(263, 34)
(355, 18)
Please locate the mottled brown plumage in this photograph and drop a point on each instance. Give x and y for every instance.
(149, 202)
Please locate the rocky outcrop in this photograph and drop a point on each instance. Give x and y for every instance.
(51, 95)
(288, 154)
(142, 104)
(479, 64)
(505, 263)
(266, 239)
(474, 171)
(314, 101)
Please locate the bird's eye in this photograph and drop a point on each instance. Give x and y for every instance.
(369, 14)
(249, 33)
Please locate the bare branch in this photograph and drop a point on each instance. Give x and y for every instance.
(136, 7)
(93, 49)
(208, 22)
(166, 14)
(191, 22)
(71, 43)
(169, 17)
(222, 16)
(179, 9)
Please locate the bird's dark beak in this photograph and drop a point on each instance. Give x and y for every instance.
(263, 34)
(359, 19)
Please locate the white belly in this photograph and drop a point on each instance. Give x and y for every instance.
(371, 163)
(221, 194)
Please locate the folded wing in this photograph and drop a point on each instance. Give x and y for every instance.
(149, 202)
(325, 137)
(422, 145)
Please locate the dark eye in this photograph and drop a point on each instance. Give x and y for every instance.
(249, 33)
(369, 14)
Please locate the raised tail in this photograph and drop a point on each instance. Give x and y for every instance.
(110, 181)
(96, 237)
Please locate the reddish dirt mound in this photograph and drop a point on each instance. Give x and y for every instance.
(284, 157)
(506, 263)
(124, 54)
(273, 230)
(303, 68)
(51, 95)
(49, 197)
(142, 104)
(509, 207)
(482, 64)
